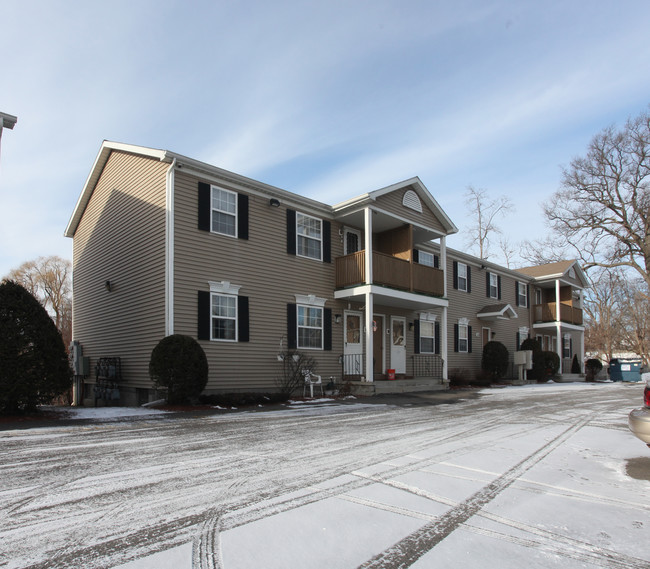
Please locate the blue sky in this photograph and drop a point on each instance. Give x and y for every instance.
(327, 99)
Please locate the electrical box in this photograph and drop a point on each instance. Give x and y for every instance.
(520, 358)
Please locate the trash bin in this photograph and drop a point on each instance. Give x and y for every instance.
(621, 369)
(391, 373)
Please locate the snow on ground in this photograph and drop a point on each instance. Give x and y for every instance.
(534, 476)
(106, 413)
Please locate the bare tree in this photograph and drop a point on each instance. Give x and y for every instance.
(49, 279)
(633, 301)
(603, 207)
(485, 211)
(602, 314)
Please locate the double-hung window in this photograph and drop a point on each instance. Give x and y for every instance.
(224, 211)
(310, 327)
(522, 294)
(223, 317)
(309, 235)
(463, 337)
(427, 337)
(462, 276)
(494, 285)
(425, 258)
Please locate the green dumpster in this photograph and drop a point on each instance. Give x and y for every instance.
(624, 369)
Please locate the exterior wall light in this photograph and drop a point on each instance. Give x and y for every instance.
(273, 202)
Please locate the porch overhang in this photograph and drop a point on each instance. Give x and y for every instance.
(553, 326)
(497, 312)
(390, 297)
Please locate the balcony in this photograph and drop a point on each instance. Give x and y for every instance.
(547, 313)
(391, 272)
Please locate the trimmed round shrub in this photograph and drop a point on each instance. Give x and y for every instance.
(495, 360)
(178, 364)
(34, 366)
(551, 362)
(593, 367)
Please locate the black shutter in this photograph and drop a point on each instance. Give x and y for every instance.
(528, 296)
(291, 232)
(499, 286)
(416, 256)
(327, 329)
(487, 285)
(243, 319)
(469, 339)
(203, 315)
(436, 340)
(292, 326)
(455, 270)
(327, 242)
(436, 262)
(204, 206)
(416, 334)
(517, 342)
(517, 292)
(242, 216)
(455, 337)
(469, 279)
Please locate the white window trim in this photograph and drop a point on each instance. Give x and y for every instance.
(522, 287)
(463, 325)
(321, 327)
(495, 285)
(432, 337)
(425, 254)
(235, 319)
(213, 209)
(464, 277)
(319, 239)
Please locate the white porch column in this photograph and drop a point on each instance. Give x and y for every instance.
(443, 342)
(443, 265)
(370, 368)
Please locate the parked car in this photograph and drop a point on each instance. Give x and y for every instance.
(639, 419)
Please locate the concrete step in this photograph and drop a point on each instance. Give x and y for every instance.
(398, 386)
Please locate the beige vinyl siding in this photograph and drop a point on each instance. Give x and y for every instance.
(392, 203)
(121, 238)
(268, 276)
(468, 305)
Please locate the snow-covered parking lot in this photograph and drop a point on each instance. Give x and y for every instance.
(535, 476)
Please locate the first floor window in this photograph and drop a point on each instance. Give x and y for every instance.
(463, 338)
(310, 327)
(224, 317)
(427, 337)
(567, 346)
(309, 236)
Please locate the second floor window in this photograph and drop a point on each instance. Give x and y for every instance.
(522, 294)
(493, 286)
(462, 276)
(309, 236)
(224, 211)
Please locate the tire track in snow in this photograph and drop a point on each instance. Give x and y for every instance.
(405, 552)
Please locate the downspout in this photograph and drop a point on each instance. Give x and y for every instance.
(445, 312)
(169, 249)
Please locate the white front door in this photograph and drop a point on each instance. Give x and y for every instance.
(353, 346)
(398, 344)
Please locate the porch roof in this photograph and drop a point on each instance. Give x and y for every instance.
(497, 312)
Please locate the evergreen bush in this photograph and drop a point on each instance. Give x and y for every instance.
(551, 363)
(539, 369)
(34, 364)
(179, 364)
(495, 360)
(593, 366)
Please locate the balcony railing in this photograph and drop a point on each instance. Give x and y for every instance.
(548, 313)
(389, 271)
